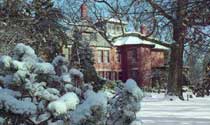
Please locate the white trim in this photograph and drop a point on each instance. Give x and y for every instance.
(102, 48)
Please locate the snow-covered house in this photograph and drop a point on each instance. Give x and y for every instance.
(139, 58)
(124, 58)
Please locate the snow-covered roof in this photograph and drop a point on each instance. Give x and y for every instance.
(117, 21)
(112, 20)
(158, 46)
(133, 40)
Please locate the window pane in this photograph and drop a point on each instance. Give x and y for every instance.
(100, 56)
(106, 56)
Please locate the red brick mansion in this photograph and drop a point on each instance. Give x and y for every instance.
(126, 57)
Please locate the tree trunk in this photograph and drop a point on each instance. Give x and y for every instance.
(176, 64)
(172, 71)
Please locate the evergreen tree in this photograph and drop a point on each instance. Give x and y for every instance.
(82, 57)
(36, 23)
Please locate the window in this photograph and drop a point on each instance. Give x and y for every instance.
(100, 56)
(118, 56)
(133, 55)
(106, 56)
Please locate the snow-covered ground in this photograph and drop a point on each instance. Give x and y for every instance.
(156, 110)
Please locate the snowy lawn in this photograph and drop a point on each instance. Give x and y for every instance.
(159, 111)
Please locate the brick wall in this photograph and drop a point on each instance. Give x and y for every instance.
(108, 69)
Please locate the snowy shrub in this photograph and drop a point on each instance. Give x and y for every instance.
(24, 53)
(132, 88)
(57, 107)
(17, 65)
(33, 91)
(38, 90)
(124, 106)
(59, 60)
(10, 92)
(20, 76)
(60, 64)
(70, 99)
(44, 68)
(66, 78)
(41, 118)
(10, 103)
(92, 111)
(5, 62)
(76, 72)
(6, 80)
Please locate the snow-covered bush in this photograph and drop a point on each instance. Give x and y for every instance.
(60, 64)
(92, 111)
(75, 72)
(44, 68)
(57, 108)
(33, 91)
(23, 52)
(5, 62)
(10, 103)
(125, 104)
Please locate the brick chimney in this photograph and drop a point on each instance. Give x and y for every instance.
(143, 29)
(84, 11)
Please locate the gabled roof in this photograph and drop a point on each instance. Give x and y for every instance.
(86, 33)
(100, 41)
(134, 40)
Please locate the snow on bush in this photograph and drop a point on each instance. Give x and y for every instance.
(23, 52)
(66, 78)
(60, 64)
(70, 99)
(20, 76)
(33, 91)
(10, 92)
(57, 108)
(131, 87)
(76, 72)
(38, 90)
(10, 103)
(44, 68)
(124, 106)
(17, 65)
(59, 60)
(63, 104)
(6, 80)
(92, 111)
(5, 62)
